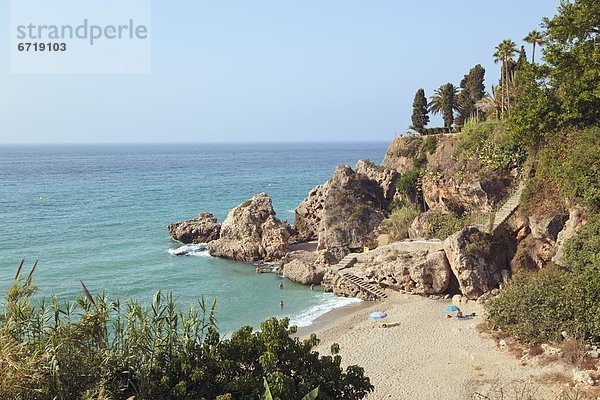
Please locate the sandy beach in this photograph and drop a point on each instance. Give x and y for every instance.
(429, 356)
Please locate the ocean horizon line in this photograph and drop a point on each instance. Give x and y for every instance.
(26, 144)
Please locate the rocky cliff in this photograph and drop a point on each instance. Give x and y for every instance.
(344, 215)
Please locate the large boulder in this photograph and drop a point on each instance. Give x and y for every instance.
(202, 229)
(478, 260)
(422, 272)
(341, 214)
(251, 232)
(547, 227)
(548, 235)
(301, 272)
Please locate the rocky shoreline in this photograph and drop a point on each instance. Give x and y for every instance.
(344, 216)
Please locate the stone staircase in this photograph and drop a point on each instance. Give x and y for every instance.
(345, 262)
(507, 208)
(364, 286)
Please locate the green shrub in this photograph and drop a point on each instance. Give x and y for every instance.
(537, 307)
(359, 211)
(94, 348)
(397, 224)
(430, 144)
(408, 181)
(441, 225)
(569, 164)
(583, 249)
(488, 143)
(578, 168)
(474, 134)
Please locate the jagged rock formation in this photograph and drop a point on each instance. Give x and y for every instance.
(251, 232)
(342, 213)
(202, 229)
(478, 260)
(385, 178)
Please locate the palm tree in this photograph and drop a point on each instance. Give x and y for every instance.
(505, 52)
(534, 38)
(444, 101)
(491, 105)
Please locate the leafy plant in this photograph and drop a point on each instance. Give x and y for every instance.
(408, 181)
(397, 224)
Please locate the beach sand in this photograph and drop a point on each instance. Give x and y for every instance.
(428, 356)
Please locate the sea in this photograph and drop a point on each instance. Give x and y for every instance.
(99, 214)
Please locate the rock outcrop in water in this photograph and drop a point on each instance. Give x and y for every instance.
(202, 229)
(251, 232)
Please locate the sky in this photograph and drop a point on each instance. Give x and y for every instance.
(261, 70)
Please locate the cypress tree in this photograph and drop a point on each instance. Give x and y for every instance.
(522, 60)
(420, 117)
(473, 90)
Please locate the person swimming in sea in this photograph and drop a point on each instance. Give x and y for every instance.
(281, 303)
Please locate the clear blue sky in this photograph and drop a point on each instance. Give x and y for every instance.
(269, 71)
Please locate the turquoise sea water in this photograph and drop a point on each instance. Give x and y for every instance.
(99, 213)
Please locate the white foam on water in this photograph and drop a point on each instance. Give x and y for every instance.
(197, 250)
(291, 211)
(330, 302)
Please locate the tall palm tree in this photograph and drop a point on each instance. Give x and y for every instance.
(444, 101)
(534, 38)
(505, 52)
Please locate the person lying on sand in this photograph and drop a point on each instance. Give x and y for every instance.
(460, 315)
(388, 324)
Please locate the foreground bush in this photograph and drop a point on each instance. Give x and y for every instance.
(95, 348)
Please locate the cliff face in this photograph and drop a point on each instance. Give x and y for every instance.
(450, 181)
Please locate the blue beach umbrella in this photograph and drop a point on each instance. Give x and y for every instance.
(451, 308)
(378, 315)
